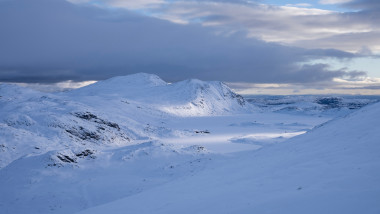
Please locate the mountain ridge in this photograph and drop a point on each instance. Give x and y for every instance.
(185, 98)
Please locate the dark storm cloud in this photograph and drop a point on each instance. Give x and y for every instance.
(47, 41)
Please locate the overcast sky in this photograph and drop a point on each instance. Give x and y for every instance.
(264, 46)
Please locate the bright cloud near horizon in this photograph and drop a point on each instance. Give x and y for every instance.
(257, 47)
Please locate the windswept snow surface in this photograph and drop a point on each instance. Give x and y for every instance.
(136, 144)
(332, 169)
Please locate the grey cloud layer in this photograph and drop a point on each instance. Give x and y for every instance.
(47, 41)
(303, 27)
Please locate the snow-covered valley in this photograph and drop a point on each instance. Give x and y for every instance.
(136, 144)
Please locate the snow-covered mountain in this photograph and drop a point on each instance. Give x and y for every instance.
(186, 98)
(113, 112)
(139, 144)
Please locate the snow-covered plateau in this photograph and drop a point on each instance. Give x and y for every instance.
(137, 144)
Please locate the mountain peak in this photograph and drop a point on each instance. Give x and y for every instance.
(122, 84)
(140, 79)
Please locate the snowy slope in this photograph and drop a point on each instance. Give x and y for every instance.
(34, 123)
(333, 169)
